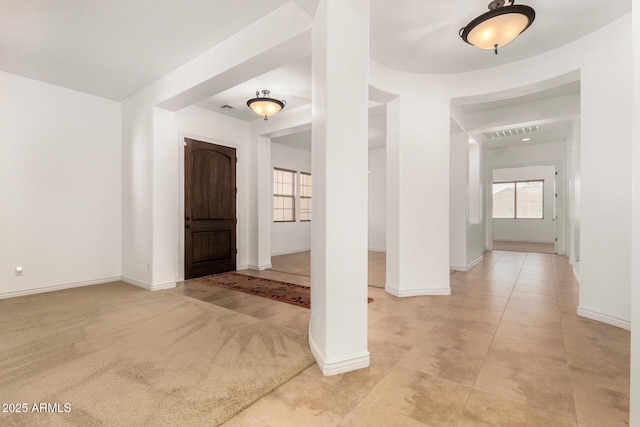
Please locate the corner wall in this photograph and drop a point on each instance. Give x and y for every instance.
(634, 404)
(378, 200)
(60, 185)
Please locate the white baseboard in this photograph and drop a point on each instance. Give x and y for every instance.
(242, 267)
(523, 241)
(336, 367)
(416, 292)
(377, 250)
(468, 267)
(293, 251)
(147, 286)
(259, 267)
(44, 289)
(604, 318)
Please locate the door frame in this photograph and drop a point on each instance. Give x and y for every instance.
(562, 214)
(240, 183)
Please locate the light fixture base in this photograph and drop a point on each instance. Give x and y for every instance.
(495, 4)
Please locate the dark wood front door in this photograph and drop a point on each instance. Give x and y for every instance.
(210, 209)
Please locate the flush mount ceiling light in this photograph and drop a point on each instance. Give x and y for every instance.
(264, 105)
(498, 27)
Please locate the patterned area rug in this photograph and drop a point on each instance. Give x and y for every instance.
(280, 291)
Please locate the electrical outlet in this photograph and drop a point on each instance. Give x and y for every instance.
(18, 271)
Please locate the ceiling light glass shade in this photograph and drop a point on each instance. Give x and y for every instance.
(498, 27)
(264, 105)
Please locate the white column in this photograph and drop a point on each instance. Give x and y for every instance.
(340, 72)
(165, 223)
(635, 225)
(265, 198)
(259, 198)
(418, 190)
(458, 201)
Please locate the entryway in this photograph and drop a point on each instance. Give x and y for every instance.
(209, 209)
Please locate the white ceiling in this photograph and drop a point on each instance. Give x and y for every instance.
(422, 35)
(547, 133)
(113, 48)
(377, 133)
(563, 90)
(291, 83)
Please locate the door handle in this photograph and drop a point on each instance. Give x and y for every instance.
(187, 218)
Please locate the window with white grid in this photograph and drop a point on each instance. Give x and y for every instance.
(284, 197)
(305, 196)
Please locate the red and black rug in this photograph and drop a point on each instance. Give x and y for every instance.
(280, 291)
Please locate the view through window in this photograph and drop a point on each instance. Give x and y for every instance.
(518, 200)
(284, 195)
(305, 196)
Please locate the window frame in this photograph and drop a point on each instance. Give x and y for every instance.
(515, 198)
(293, 196)
(304, 197)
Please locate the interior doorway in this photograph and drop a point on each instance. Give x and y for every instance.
(524, 209)
(209, 209)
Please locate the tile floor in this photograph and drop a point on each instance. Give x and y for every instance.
(506, 349)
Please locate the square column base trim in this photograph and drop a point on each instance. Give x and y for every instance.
(604, 318)
(147, 286)
(336, 367)
(259, 267)
(416, 292)
(468, 267)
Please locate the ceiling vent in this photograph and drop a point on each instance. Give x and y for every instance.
(512, 132)
(227, 107)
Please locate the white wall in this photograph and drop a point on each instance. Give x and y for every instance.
(528, 230)
(552, 155)
(289, 237)
(634, 404)
(377, 199)
(60, 185)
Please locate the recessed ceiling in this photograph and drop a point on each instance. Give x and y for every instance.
(115, 48)
(422, 35)
(572, 88)
(291, 83)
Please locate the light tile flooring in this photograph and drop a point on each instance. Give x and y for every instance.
(506, 349)
(545, 248)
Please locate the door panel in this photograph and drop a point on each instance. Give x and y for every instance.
(210, 209)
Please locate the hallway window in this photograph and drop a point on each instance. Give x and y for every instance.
(283, 195)
(305, 196)
(518, 200)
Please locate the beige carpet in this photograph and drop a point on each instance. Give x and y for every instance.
(120, 355)
(544, 248)
(300, 263)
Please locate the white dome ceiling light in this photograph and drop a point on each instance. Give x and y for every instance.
(264, 105)
(498, 27)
